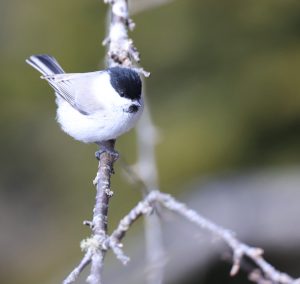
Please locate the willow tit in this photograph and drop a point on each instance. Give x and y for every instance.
(95, 106)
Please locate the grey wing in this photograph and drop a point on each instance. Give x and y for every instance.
(77, 90)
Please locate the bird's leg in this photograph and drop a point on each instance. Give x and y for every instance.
(107, 147)
(103, 150)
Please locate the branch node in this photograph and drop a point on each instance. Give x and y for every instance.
(94, 244)
(237, 257)
(147, 209)
(131, 25)
(109, 192)
(235, 269)
(116, 246)
(257, 277)
(96, 179)
(257, 252)
(119, 8)
(88, 223)
(106, 41)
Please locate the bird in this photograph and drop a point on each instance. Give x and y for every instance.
(93, 107)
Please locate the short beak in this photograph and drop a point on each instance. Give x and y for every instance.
(138, 103)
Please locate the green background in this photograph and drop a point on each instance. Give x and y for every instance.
(223, 91)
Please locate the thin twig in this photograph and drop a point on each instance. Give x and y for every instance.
(240, 250)
(121, 51)
(77, 270)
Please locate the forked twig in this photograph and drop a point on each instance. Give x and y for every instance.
(240, 250)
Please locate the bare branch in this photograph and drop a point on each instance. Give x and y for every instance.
(121, 51)
(94, 246)
(77, 270)
(99, 222)
(147, 138)
(240, 250)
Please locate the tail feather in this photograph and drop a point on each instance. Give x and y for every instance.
(45, 64)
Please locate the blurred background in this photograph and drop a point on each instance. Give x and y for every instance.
(224, 93)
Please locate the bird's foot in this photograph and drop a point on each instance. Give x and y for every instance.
(103, 150)
(108, 148)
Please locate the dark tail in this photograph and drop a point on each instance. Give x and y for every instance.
(45, 64)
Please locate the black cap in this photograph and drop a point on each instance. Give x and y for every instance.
(126, 82)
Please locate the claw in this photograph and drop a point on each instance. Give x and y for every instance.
(103, 150)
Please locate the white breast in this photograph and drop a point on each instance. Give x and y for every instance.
(97, 127)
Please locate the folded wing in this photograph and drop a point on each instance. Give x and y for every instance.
(74, 88)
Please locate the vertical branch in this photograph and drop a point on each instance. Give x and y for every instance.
(120, 51)
(155, 250)
(100, 212)
(147, 136)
